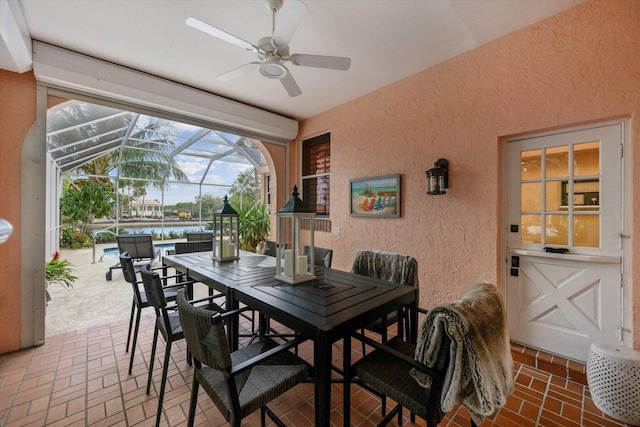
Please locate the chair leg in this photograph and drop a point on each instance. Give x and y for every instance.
(133, 307)
(153, 357)
(194, 400)
(163, 383)
(135, 339)
(263, 417)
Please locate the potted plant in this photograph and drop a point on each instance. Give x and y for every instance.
(58, 270)
(254, 226)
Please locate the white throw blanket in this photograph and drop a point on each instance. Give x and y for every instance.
(480, 371)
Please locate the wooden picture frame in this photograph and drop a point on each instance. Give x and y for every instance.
(375, 197)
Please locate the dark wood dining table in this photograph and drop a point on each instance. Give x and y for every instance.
(324, 310)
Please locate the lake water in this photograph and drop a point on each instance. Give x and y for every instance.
(166, 230)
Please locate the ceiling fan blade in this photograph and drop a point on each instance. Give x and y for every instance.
(237, 72)
(321, 61)
(222, 35)
(290, 85)
(288, 19)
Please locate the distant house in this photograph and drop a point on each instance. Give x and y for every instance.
(146, 209)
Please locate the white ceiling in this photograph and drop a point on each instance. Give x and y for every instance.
(387, 40)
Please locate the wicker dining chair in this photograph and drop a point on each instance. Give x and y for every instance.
(241, 382)
(392, 267)
(322, 256)
(462, 357)
(386, 372)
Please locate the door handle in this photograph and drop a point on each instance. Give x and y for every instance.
(549, 249)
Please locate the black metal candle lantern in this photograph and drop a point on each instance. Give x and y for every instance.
(226, 243)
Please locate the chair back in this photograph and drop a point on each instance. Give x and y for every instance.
(321, 256)
(392, 267)
(199, 236)
(193, 246)
(205, 335)
(153, 288)
(270, 248)
(129, 273)
(128, 270)
(138, 246)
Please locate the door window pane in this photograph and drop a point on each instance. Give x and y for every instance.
(553, 196)
(557, 230)
(586, 195)
(586, 159)
(531, 164)
(557, 162)
(586, 231)
(531, 196)
(531, 228)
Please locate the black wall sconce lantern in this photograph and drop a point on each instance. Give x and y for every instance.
(438, 177)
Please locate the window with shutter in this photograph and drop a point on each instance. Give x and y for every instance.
(316, 169)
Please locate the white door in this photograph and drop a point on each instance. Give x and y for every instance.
(564, 206)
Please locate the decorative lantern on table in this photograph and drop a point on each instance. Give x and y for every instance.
(292, 264)
(226, 244)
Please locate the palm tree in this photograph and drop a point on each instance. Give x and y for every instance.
(79, 130)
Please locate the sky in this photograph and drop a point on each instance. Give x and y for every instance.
(216, 179)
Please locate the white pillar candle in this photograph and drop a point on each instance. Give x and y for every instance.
(288, 262)
(231, 250)
(218, 252)
(301, 265)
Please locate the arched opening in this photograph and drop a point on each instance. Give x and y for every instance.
(191, 165)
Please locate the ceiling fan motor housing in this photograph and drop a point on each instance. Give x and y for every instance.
(272, 68)
(274, 5)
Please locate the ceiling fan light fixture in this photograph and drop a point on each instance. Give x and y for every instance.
(272, 69)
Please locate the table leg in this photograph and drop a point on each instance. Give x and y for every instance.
(346, 372)
(322, 361)
(234, 322)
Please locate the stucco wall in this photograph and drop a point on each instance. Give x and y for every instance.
(17, 114)
(575, 68)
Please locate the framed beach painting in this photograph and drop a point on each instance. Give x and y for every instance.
(377, 197)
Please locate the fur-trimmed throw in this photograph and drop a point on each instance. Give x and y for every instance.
(397, 268)
(480, 370)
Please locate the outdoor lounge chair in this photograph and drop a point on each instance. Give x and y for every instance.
(138, 246)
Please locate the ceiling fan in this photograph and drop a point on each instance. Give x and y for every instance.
(273, 52)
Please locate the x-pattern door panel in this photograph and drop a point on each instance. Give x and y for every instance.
(564, 192)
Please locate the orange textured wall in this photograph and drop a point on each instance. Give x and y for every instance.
(577, 67)
(17, 115)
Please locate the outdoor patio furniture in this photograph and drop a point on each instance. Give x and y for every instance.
(167, 323)
(198, 236)
(242, 381)
(140, 300)
(193, 246)
(270, 248)
(393, 267)
(462, 357)
(138, 246)
(322, 256)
